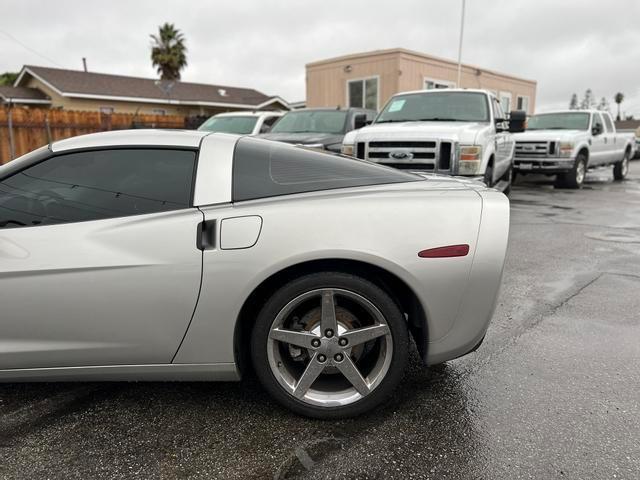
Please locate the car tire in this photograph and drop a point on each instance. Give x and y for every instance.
(488, 176)
(508, 177)
(621, 168)
(575, 177)
(298, 376)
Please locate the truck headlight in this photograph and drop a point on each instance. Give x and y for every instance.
(347, 150)
(470, 153)
(470, 160)
(565, 149)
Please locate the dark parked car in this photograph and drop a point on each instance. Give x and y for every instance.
(319, 127)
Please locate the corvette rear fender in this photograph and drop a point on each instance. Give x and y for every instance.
(388, 237)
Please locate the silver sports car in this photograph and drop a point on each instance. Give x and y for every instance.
(167, 255)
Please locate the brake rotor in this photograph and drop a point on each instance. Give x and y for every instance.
(311, 323)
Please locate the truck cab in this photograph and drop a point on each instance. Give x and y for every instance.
(451, 131)
(566, 143)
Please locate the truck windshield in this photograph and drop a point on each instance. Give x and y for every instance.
(559, 121)
(436, 106)
(230, 124)
(312, 121)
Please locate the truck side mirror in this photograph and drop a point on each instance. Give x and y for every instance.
(517, 121)
(596, 129)
(359, 121)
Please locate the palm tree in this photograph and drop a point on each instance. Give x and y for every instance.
(168, 52)
(619, 97)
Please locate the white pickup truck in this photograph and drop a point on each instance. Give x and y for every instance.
(567, 143)
(453, 132)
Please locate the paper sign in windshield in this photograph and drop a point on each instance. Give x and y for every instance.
(396, 105)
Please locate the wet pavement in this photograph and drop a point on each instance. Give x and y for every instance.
(554, 391)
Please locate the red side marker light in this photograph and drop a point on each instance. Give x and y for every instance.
(445, 252)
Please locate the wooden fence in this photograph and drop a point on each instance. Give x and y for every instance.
(34, 127)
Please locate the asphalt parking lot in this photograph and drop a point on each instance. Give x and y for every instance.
(554, 391)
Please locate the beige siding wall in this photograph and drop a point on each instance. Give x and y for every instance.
(416, 69)
(401, 71)
(327, 82)
(66, 103)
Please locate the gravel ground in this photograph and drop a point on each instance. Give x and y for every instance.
(552, 393)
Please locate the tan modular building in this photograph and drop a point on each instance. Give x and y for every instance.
(105, 93)
(369, 79)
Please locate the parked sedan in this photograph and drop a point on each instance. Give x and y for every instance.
(321, 128)
(166, 255)
(242, 123)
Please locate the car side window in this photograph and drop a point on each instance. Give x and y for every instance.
(497, 109)
(92, 185)
(267, 124)
(264, 169)
(608, 122)
(597, 120)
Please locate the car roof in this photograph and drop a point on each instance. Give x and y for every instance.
(141, 137)
(447, 90)
(249, 113)
(569, 111)
(332, 109)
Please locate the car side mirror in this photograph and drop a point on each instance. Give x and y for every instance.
(500, 126)
(517, 121)
(596, 129)
(359, 121)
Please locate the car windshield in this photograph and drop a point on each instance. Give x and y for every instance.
(559, 121)
(437, 107)
(312, 121)
(241, 124)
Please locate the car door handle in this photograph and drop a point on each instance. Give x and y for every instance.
(206, 235)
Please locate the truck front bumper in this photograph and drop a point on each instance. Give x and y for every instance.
(548, 165)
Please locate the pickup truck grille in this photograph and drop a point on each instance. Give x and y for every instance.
(534, 149)
(429, 155)
(391, 145)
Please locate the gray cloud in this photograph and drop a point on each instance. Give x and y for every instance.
(566, 46)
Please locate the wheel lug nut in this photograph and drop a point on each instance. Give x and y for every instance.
(338, 357)
(343, 342)
(328, 333)
(315, 343)
(322, 358)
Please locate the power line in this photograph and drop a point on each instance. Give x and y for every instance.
(14, 39)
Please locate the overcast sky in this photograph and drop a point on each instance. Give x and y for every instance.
(567, 46)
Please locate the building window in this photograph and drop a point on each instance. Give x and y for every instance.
(505, 101)
(106, 110)
(432, 83)
(363, 93)
(523, 103)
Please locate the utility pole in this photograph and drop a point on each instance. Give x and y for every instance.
(460, 45)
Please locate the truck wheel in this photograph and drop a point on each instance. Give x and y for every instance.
(575, 177)
(508, 177)
(488, 175)
(621, 168)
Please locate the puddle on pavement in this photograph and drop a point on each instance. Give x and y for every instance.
(305, 456)
(618, 237)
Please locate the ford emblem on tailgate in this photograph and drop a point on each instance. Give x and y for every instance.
(400, 155)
